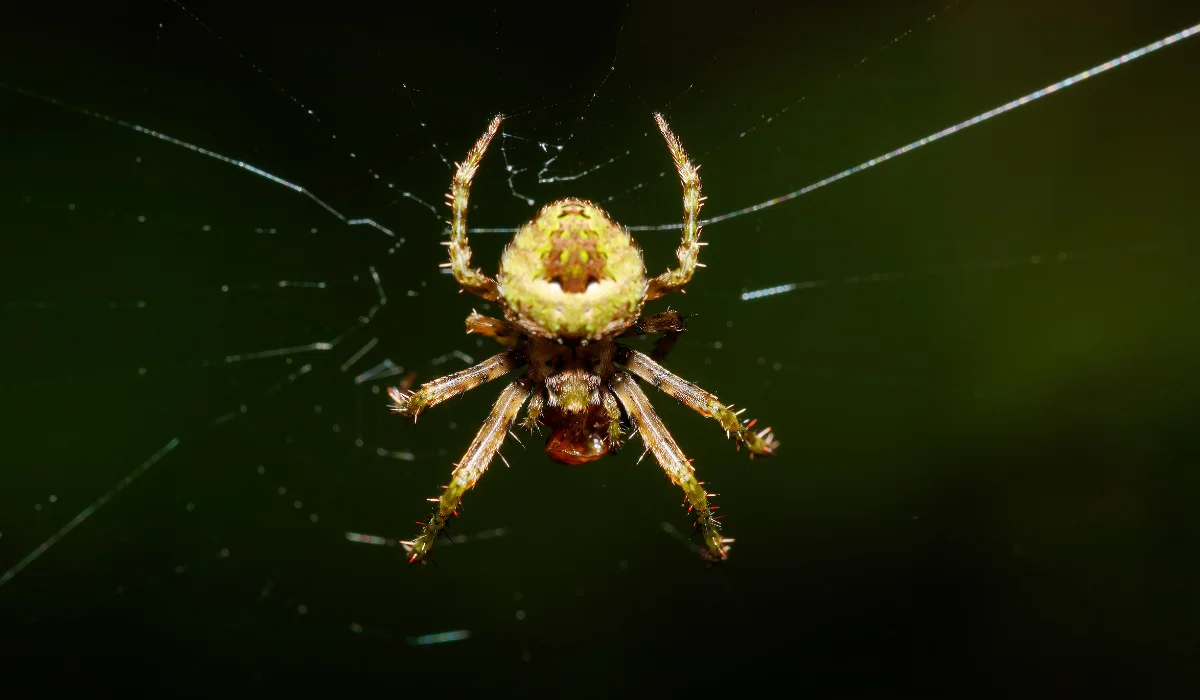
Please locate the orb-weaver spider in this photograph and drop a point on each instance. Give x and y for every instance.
(571, 282)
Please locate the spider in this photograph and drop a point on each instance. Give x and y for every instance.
(571, 283)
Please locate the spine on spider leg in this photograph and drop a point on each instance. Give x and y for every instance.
(762, 443)
(716, 547)
(674, 463)
(461, 187)
(460, 251)
(407, 402)
(688, 251)
(689, 176)
(447, 507)
(682, 473)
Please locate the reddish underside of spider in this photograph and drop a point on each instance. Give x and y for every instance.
(577, 439)
(571, 283)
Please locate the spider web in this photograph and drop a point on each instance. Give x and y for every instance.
(222, 247)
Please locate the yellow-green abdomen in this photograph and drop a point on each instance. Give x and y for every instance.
(572, 273)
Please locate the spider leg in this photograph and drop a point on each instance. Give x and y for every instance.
(668, 321)
(531, 414)
(474, 463)
(678, 468)
(697, 399)
(409, 403)
(689, 248)
(472, 280)
(503, 332)
(670, 324)
(613, 408)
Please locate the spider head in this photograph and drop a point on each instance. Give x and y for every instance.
(572, 273)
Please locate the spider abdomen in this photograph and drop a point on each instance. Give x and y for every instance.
(573, 273)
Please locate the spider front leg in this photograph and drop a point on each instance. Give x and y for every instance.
(679, 470)
(670, 324)
(472, 280)
(472, 466)
(761, 443)
(689, 248)
(410, 403)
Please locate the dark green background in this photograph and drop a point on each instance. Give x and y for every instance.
(988, 479)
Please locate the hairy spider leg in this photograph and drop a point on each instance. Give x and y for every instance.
(668, 325)
(472, 280)
(503, 332)
(761, 443)
(612, 407)
(678, 468)
(408, 403)
(532, 414)
(668, 321)
(474, 463)
(689, 249)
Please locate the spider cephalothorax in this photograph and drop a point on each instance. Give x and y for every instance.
(571, 282)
